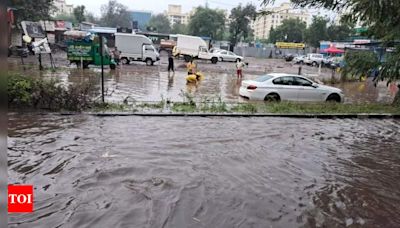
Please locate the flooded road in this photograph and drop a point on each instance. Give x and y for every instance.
(206, 172)
(149, 84)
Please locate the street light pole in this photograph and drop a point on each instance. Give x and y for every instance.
(102, 67)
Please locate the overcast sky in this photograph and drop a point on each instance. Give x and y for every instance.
(157, 6)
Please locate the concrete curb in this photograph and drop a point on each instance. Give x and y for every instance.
(248, 115)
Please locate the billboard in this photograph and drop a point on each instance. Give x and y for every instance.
(289, 45)
(33, 29)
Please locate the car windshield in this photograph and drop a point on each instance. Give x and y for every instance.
(263, 78)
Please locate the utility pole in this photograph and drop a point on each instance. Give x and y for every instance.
(102, 66)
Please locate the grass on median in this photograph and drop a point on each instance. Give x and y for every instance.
(328, 108)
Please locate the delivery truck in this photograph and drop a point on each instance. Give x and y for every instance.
(193, 47)
(135, 47)
(83, 49)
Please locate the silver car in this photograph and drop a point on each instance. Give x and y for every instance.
(228, 56)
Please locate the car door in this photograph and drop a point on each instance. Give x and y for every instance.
(224, 55)
(232, 56)
(308, 92)
(203, 53)
(286, 88)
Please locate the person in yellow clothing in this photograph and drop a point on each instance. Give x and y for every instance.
(191, 67)
(193, 74)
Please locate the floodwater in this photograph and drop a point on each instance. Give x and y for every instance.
(205, 172)
(142, 83)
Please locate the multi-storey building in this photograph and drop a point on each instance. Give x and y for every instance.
(263, 24)
(61, 7)
(175, 15)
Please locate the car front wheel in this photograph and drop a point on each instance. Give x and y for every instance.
(333, 98)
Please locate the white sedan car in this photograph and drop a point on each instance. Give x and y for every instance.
(287, 87)
(228, 56)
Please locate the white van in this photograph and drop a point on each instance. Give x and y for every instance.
(193, 46)
(314, 59)
(136, 48)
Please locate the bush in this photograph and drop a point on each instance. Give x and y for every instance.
(360, 64)
(28, 92)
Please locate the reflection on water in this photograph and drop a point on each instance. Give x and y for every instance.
(154, 83)
(206, 172)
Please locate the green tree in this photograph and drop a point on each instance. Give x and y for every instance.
(160, 23)
(79, 13)
(340, 32)
(65, 17)
(291, 30)
(383, 20)
(240, 18)
(317, 31)
(179, 28)
(207, 22)
(90, 17)
(115, 14)
(32, 10)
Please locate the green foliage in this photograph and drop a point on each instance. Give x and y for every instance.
(207, 22)
(25, 91)
(30, 10)
(317, 31)
(291, 30)
(115, 14)
(240, 18)
(382, 18)
(244, 108)
(340, 32)
(360, 63)
(91, 18)
(328, 108)
(179, 28)
(160, 23)
(66, 17)
(79, 13)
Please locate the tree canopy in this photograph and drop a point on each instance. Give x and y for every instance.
(207, 22)
(179, 28)
(114, 14)
(32, 10)
(159, 23)
(340, 32)
(79, 13)
(383, 21)
(317, 31)
(291, 30)
(240, 18)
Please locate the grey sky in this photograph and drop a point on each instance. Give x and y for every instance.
(157, 6)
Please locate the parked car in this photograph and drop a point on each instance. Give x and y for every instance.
(335, 62)
(290, 57)
(287, 87)
(215, 50)
(228, 56)
(314, 59)
(299, 59)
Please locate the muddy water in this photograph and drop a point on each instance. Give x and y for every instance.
(206, 172)
(143, 83)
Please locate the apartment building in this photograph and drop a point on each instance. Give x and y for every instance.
(263, 24)
(61, 7)
(175, 15)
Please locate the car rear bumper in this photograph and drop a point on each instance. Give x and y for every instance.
(243, 92)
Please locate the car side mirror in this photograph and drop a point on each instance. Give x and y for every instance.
(314, 85)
